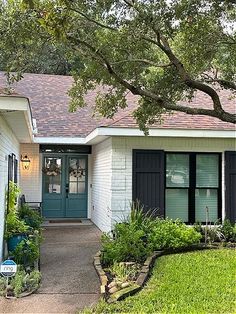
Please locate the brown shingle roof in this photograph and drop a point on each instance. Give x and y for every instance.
(49, 102)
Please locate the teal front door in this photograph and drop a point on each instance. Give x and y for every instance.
(65, 188)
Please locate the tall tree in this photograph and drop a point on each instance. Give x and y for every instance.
(163, 51)
(25, 46)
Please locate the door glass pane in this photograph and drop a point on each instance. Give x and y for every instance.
(177, 170)
(207, 170)
(73, 188)
(77, 175)
(177, 204)
(81, 187)
(203, 198)
(52, 175)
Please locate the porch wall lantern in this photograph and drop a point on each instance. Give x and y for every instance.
(25, 162)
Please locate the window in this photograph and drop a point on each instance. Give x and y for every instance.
(192, 184)
(177, 186)
(52, 175)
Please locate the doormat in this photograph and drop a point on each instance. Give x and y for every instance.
(65, 221)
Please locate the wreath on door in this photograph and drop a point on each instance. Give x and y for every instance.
(52, 169)
(77, 172)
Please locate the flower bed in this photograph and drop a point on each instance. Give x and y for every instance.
(129, 252)
(23, 236)
(113, 289)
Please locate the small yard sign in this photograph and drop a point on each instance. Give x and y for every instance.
(8, 268)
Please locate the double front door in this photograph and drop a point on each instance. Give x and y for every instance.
(65, 186)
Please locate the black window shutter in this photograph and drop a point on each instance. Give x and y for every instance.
(15, 170)
(148, 179)
(230, 185)
(10, 168)
(10, 177)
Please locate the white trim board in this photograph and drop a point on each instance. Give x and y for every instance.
(17, 113)
(101, 133)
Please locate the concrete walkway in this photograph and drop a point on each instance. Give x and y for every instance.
(69, 279)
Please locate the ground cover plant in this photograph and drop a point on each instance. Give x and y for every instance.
(23, 235)
(22, 282)
(141, 233)
(132, 241)
(193, 282)
(224, 232)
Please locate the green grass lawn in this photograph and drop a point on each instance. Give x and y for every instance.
(195, 282)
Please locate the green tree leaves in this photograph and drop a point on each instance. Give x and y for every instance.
(162, 51)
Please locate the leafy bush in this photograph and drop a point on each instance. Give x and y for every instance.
(30, 216)
(214, 234)
(26, 252)
(25, 282)
(127, 244)
(210, 233)
(14, 225)
(225, 232)
(21, 282)
(12, 196)
(134, 239)
(139, 218)
(228, 229)
(169, 234)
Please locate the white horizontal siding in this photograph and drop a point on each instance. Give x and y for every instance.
(8, 145)
(122, 163)
(101, 185)
(31, 180)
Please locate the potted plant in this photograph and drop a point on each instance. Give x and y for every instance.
(26, 252)
(16, 230)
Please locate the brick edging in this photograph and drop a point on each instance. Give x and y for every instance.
(143, 275)
(139, 283)
(101, 274)
(147, 267)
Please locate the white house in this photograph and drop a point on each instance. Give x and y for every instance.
(16, 127)
(85, 167)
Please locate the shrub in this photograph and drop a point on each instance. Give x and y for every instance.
(140, 218)
(127, 244)
(26, 252)
(12, 196)
(30, 216)
(141, 233)
(14, 225)
(228, 230)
(217, 232)
(25, 282)
(168, 234)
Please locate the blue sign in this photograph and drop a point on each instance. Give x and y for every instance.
(8, 268)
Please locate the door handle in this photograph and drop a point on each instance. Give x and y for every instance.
(67, 190)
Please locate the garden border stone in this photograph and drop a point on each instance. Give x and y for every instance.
(144, 274)
(23, 294)
(131, 290)
(101, 274)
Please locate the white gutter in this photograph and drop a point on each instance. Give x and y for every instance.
(100, 133)
(60, 140)
(168, 132)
